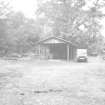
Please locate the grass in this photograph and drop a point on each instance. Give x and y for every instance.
(52, 83)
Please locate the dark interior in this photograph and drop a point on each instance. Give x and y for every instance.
(59, 51)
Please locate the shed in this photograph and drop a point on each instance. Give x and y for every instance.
(57, 48)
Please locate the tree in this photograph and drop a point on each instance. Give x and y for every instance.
(69, 19)
(22, 33)
(4, 12)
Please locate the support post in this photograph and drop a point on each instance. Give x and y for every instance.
(68, 51)
(39, 50)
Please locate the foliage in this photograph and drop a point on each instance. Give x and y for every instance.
(4, 12)
(70, 19)
(22, 32)
(18, 34)
(64, 18)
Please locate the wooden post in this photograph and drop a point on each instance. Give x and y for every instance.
(39, 50)
(68, 51)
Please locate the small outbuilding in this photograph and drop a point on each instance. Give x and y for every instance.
(56, 48)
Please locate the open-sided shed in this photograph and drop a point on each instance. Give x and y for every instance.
(57, 48)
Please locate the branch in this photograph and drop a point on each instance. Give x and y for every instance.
(96, 4)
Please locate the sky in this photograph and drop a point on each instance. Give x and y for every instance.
(28, 7)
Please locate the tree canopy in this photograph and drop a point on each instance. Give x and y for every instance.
(72, 20)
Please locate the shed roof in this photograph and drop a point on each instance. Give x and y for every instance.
(55, 40)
